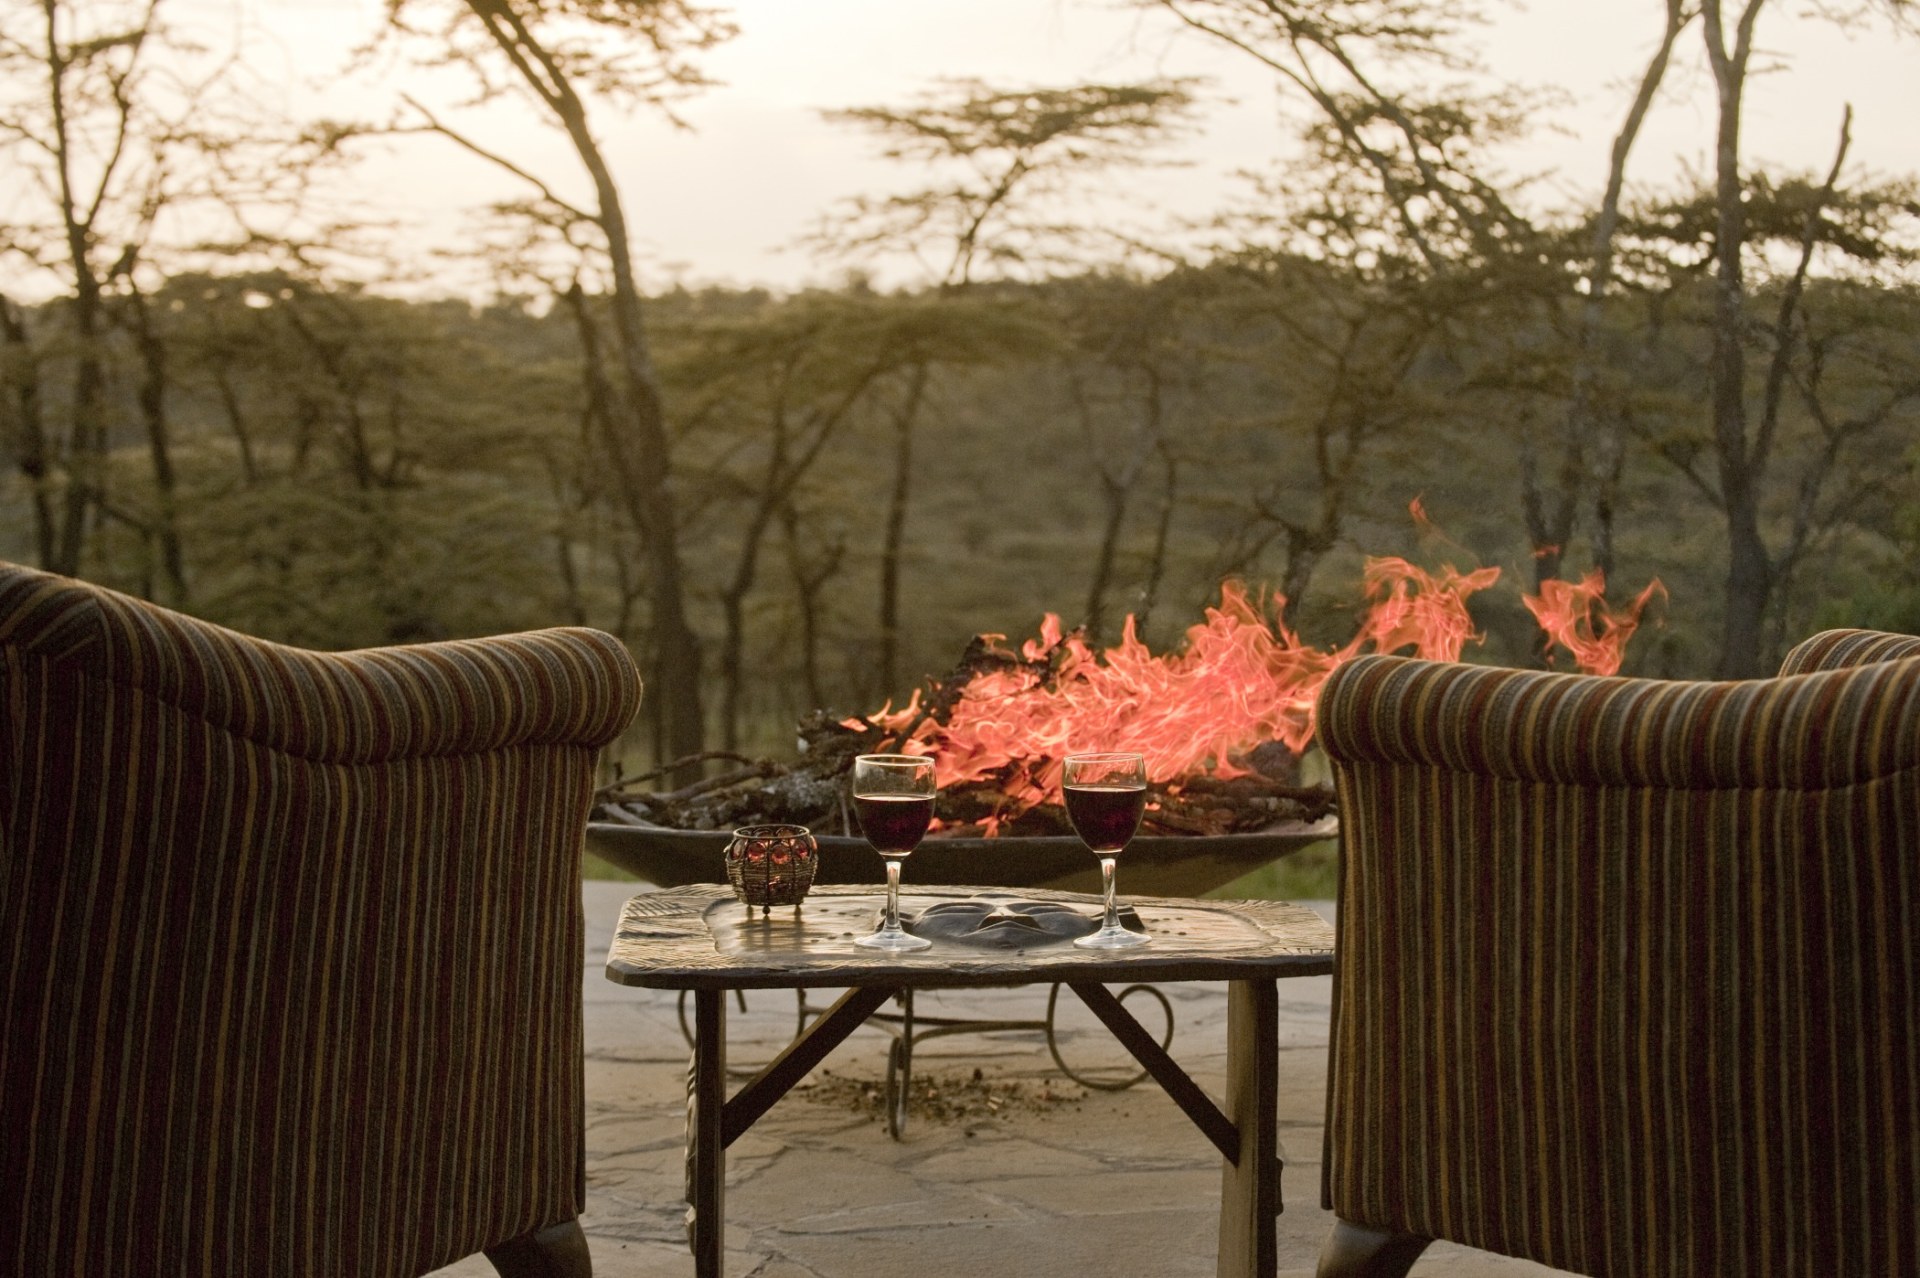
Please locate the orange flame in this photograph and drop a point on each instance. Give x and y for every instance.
(1578, 618)
(1240, 678)
(1413, 609)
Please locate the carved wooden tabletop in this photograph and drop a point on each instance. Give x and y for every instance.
(701, 937)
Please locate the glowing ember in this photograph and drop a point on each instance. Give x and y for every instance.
(1578, 619)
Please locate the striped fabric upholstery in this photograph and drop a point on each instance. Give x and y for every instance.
(292, 941)
(1629, 971)
(1838, 649)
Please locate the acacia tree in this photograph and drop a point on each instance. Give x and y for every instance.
(136, 154)
(1830, 395)
(1343, 349)
(1584, 473)
(359, 465)
(1361, 294)
(1347, 57)
(1004, 160)
(1371, 251)
(556, 54)
(1380, 112)
(1134, 377)
(777, 388)
(1742, 440)
(82, 128)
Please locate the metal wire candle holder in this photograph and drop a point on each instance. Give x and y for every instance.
(771, 865)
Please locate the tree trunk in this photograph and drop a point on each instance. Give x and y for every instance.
(1116, 490)
(1305, 548)
(84, 454)
(893, 540)
(1549, 509)
(28, 433)
(733, 599)
(1114, 497)
(153, 412)
(237, 423)
(663, 672)
(1749, 572)
(636, 435)
(644, 466)
(1162, 534)
(1590, 442)
(1787, 335)
(1340, 433)
(1609, 465)
(86, 445)
(809, 582)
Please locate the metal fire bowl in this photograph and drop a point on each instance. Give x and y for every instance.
(1152, 865)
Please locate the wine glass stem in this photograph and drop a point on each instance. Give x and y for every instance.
(893, 896)
(1106, 884)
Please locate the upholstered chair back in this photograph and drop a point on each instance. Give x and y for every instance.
(1628, 975)
(292, 941)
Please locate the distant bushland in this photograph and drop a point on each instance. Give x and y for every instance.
(354, 470)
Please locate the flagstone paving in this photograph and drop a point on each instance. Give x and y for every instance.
(1012, 1173)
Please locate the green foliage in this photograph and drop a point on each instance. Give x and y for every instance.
(593, 867)
(1311, 874)
(1874, 584)
(358, 470)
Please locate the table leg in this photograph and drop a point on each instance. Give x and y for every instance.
(706, 1147)
(1250, 1185)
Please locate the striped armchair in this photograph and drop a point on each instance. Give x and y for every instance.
(1629, 971)
(293, 944)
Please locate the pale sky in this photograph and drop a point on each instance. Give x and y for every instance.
(723, 203)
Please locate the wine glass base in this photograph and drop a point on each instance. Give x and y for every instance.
(1112, 938)
(895, 941)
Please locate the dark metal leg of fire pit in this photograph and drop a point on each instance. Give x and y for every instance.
(900, 1070)
(907, 1030)
(1104, 1084)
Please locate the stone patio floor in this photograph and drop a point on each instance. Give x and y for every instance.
(1017, 1172)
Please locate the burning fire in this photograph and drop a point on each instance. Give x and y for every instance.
(1578, 619)
(1239, 679)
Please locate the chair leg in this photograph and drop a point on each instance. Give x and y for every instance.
(558, 1251)
(1361, 1251)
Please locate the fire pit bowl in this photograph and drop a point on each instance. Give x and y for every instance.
(1155, 865)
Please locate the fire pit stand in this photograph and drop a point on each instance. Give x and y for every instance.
(908, 1029)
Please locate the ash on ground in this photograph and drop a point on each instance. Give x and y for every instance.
(951, 1096)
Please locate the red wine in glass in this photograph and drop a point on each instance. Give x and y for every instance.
(893, 797)
(1106, 816)
(893, 823)
(1105, 796)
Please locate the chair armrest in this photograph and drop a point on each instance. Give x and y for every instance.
(1840, 649)
(468, 696)
(1804, 732)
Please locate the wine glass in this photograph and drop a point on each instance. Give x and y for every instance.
(893, 798)
(1106, 793)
